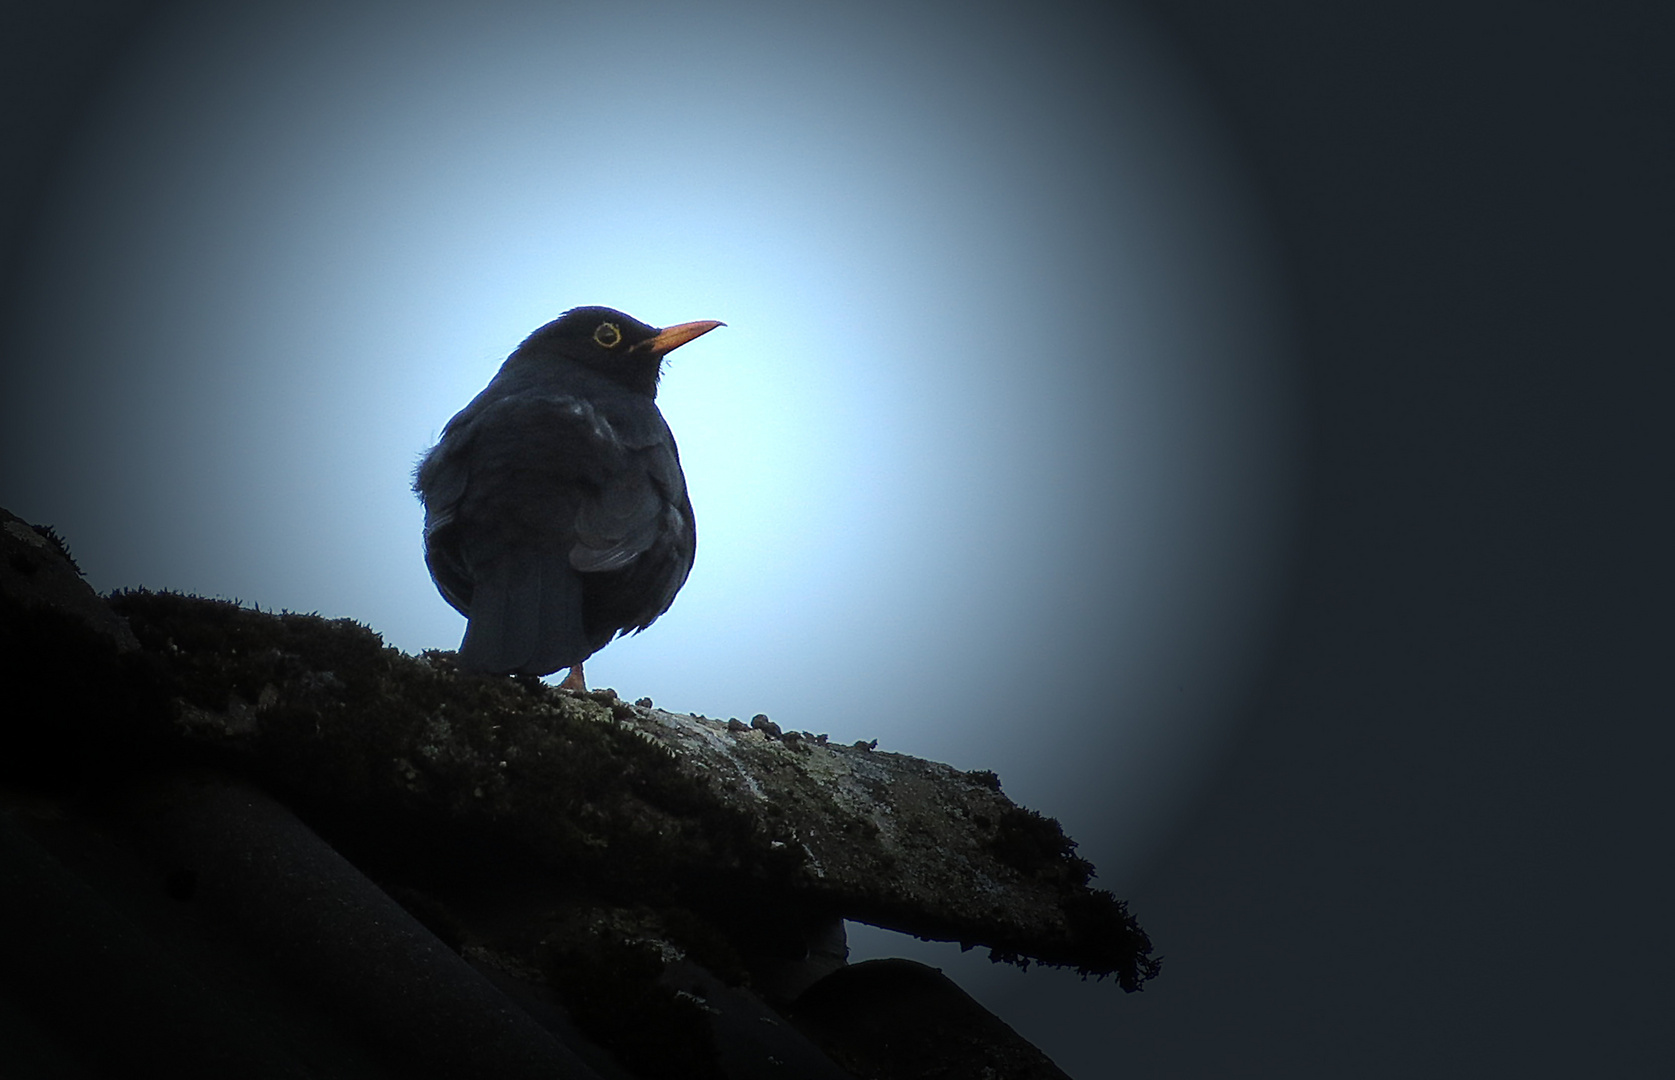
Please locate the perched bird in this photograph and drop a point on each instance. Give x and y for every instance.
(556, 513)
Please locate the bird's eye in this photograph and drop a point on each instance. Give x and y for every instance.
(607, 335)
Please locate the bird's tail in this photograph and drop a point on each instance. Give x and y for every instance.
(526, 616)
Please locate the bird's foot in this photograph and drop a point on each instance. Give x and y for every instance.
(574, 680)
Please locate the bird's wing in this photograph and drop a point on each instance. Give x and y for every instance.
(641, 504)
(664, 567)
(522, 497)
(618, 524)
(440, 482)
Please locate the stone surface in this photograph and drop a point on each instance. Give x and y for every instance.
(372, 743)
(654, 890)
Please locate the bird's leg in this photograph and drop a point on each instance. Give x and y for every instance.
(574, 681)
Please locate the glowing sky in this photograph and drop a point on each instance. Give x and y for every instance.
(990, 463)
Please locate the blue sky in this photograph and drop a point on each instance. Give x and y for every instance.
(993, 461)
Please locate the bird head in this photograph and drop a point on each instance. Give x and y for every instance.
(618, 346)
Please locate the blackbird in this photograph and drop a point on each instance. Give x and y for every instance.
(556, 513)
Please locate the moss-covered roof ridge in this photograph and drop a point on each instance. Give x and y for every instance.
(408, 764)
(641, 797)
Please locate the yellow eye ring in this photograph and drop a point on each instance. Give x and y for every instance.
(607, 335)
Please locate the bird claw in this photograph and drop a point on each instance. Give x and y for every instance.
(574, 681)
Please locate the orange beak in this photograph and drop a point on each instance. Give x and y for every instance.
(671, 338)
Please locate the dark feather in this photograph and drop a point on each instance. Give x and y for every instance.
(556, 513)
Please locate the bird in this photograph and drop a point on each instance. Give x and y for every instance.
(556, 512)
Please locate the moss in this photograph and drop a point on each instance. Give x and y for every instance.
(457, 784)
(417, 765)
(1110, 939)
(1032, 844)
(50, 535)
(707, 946)
(608, 979)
